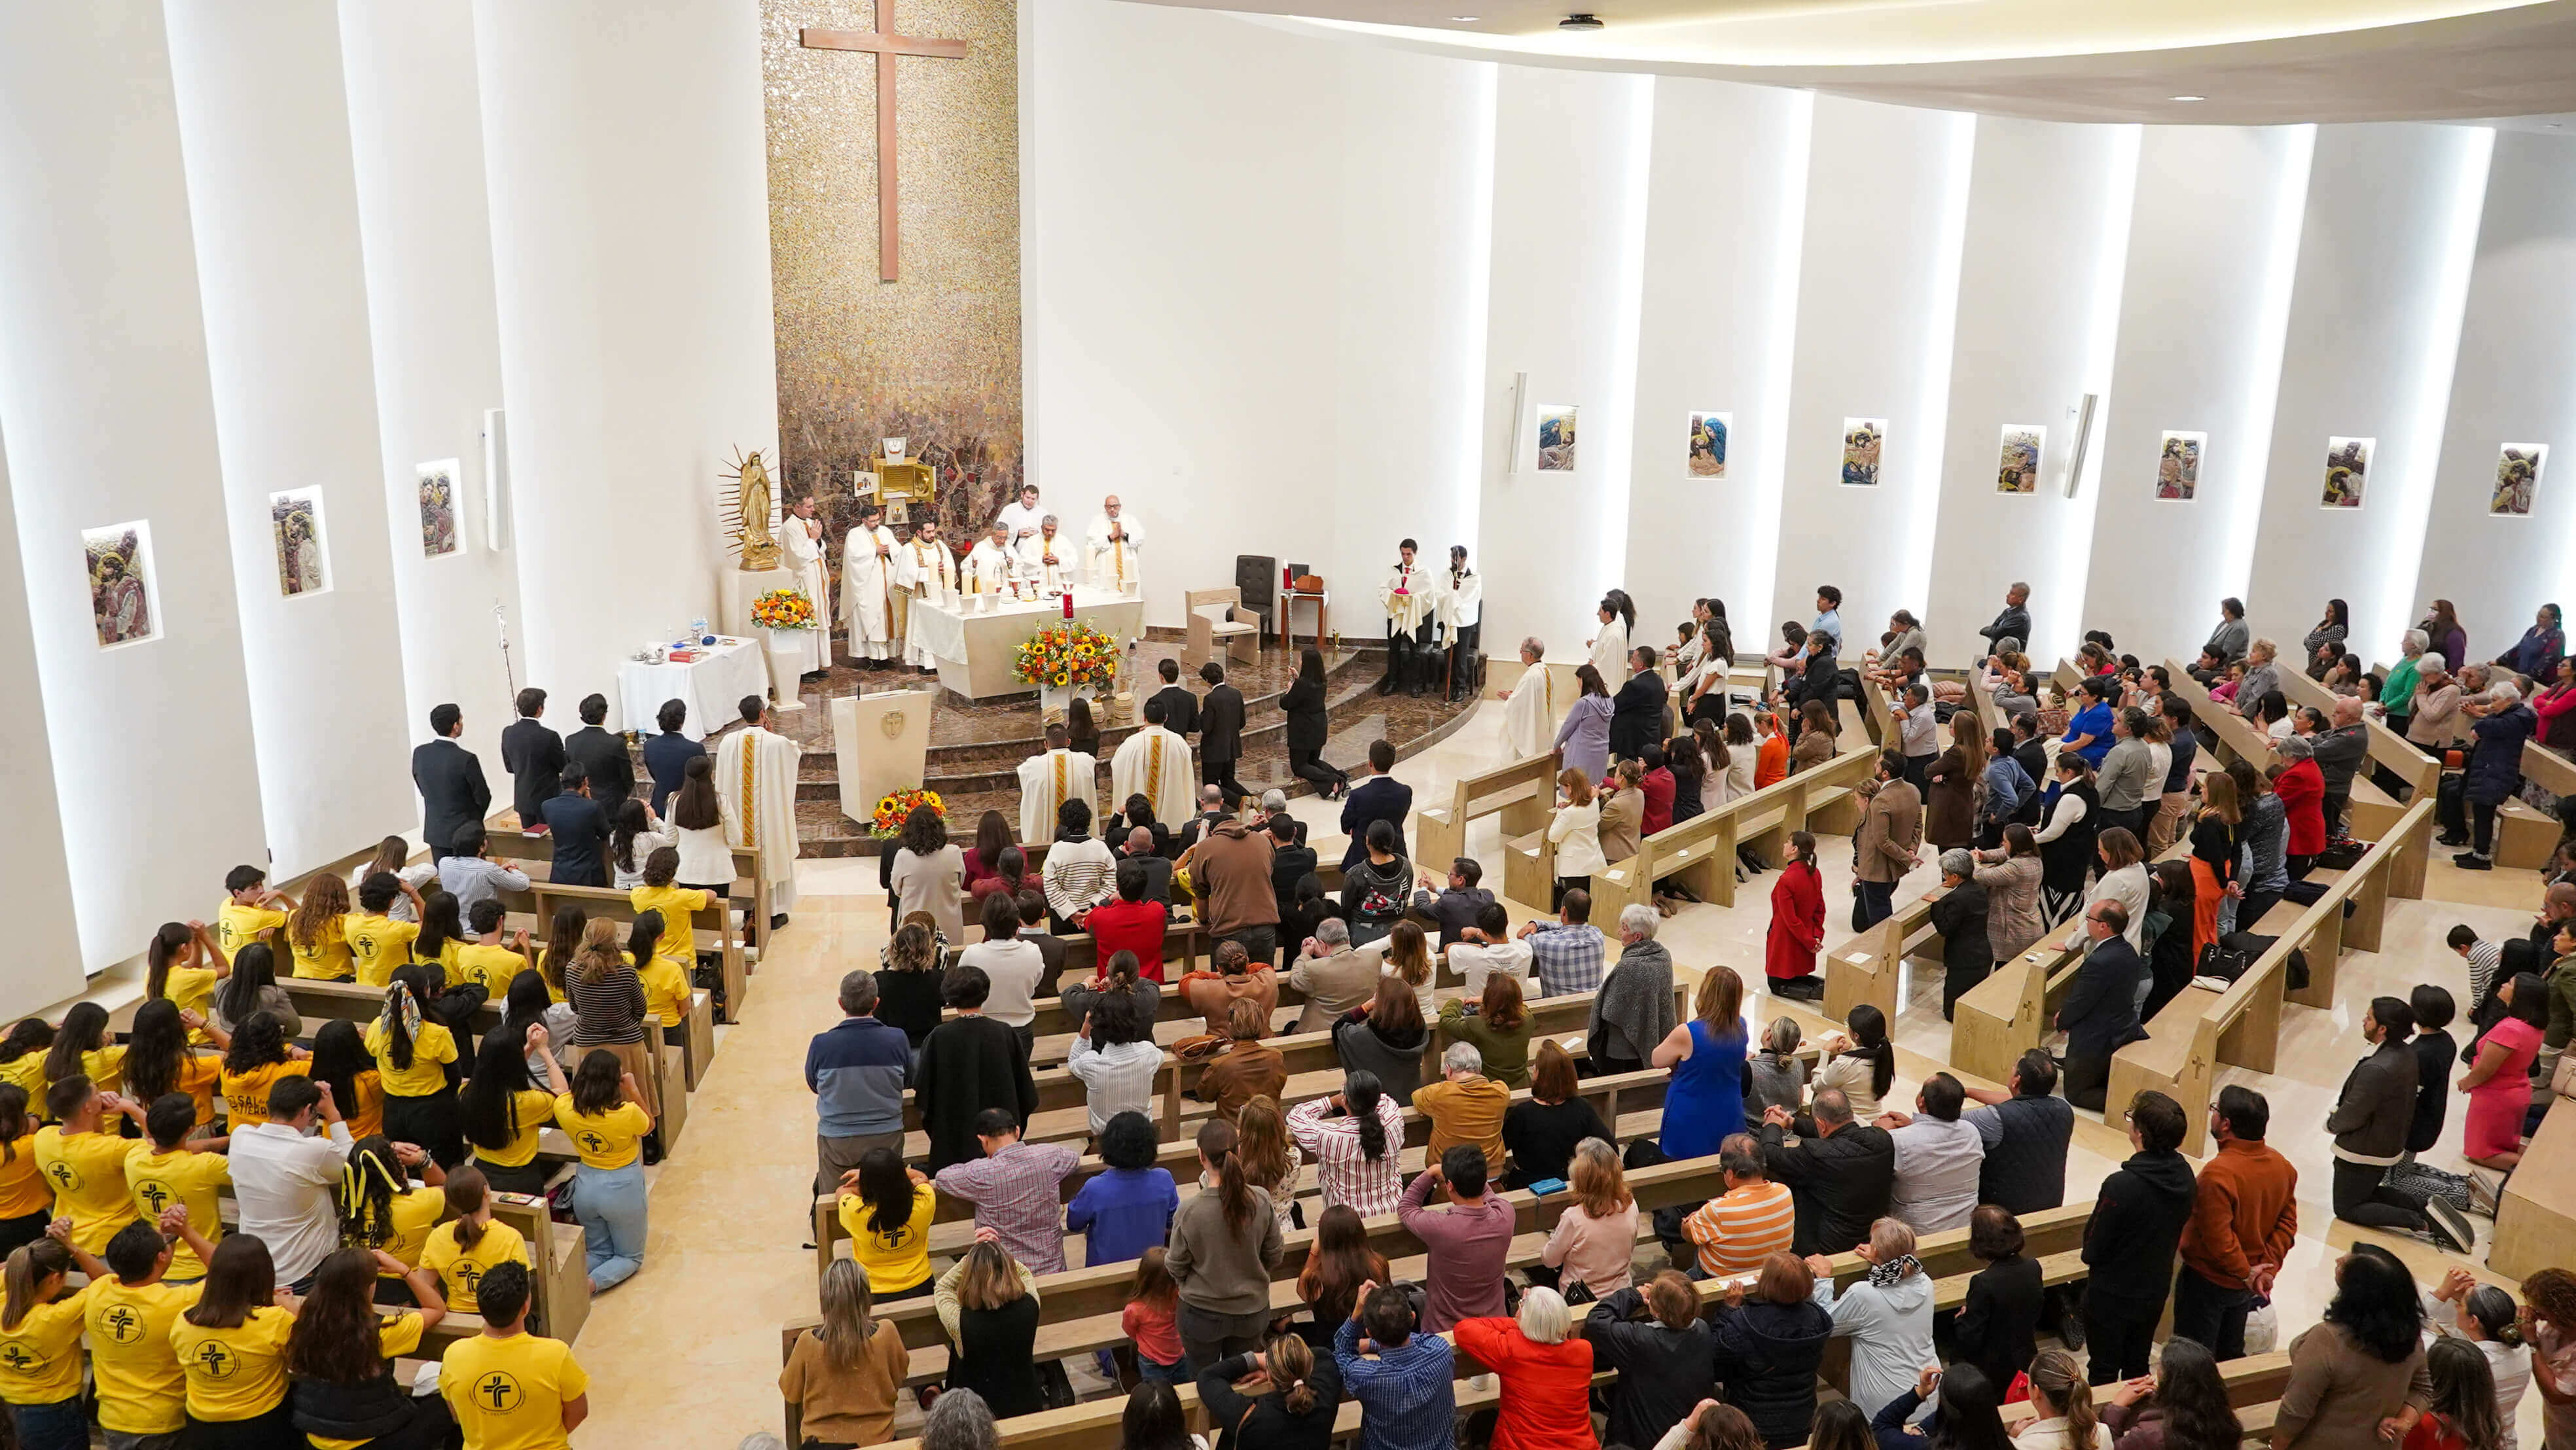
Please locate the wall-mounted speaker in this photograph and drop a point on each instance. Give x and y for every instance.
(496, 481)
(1520, 420)
(2083, 442)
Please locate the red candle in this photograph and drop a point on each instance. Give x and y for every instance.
(1068, 604)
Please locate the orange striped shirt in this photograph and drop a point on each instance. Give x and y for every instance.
(1740, 1228)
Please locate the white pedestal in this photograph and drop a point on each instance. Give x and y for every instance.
(879, 742)
(787, 651)
(740, 588)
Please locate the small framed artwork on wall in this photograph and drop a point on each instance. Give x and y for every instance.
(1862, 440)
(1556, 437)
(124, 589)
(295, 522)
(1708, 443)
(2347, 471)
(2178, 466)
(438, 507)
(2017, 467)
(2517, 478)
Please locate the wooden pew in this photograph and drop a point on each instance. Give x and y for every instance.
(1700, 852)
(511, 842)
(2536, 1214)
(2221, 728)
(2200, 1029)
(2372, 812)
(2525, 837)
(2008, 1014)
(1865, 968)
(1522, 793)
(713, 926)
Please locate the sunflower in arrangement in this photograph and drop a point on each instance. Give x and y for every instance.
(896, 807)
(783, 609)
(1067, 656)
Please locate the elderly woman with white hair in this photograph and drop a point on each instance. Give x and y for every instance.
(959, 1420)
(2433, 718)
(2262, 676)
(1529, 714)
(1959, 914)
(1633, 1010)
(2397, 692)
(1545, 1374)
(1887, 1315)
(2504, 725)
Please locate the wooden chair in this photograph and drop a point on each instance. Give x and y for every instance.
(1218, 614)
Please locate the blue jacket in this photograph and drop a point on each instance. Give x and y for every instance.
(1123, 1212)
(857, 1071)
(666, 759)
(2495, 761)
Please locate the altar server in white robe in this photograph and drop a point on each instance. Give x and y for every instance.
(1409, 596)
(803, 536)
(1021, 517)
(1461, 611)
(1109, 546)
(756, 780)
(867, 589)
(1529, 708)
(1047, 559)
(991, 566)
(927, 573)
(1610, 647)
(1047, 781)
(1154, 763)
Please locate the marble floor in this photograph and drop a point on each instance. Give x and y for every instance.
(687, 1352)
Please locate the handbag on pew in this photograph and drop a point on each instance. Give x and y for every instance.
(2341, 854)
(1198, 1049)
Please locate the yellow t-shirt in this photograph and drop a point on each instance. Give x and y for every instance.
(157, 1180)
(666, 990)
(106, 1068)
(237, 926)
(327, 957)
(509, 1394)
(489, 967)
(24, 1188)
(29, 1072)
(679, 937)
(367, 1118)
(234, 1374)
(604, 1140)
(200, 1073)
(431, 1046)
(395, 1337)
(379, 944)
(192, 989)
(897, 1260)
(140, 1389)
(415, 1211)
(87, 1171)
(246, 1093)
(40, 1361)
(460, 1270)
(531, 1109)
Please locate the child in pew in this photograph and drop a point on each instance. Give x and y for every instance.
(341, 1058)
(845, 1374)
(166, 1171)
(503, 1112)
(142, 1397)
(341, 1354)
(380, 1209)
(886, 1208)
(463, 1251)
(493, 958)
(1151, 1321)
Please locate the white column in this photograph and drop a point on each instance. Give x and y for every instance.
(265, 133)
(630, 244)
(107, 415)
(416, 137)
(45, 967)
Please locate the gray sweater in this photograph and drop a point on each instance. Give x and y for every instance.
(1634, 1008)
(1222, 1269)
(2122, 783)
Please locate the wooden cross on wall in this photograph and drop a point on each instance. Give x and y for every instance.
(887, 46)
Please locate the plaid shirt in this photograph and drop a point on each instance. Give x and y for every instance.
(1407, 1395)
(1570, 958)
(1015, 1194)
(1342, 1166)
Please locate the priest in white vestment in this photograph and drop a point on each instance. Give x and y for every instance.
(1109, 547)
(1021, 517)
(867, 589)
(1410, 597)
(1529, 708)
(1050, 779)
(1047, 558)
(1154, 763)
(926, 573)
(756, 781)
(990, 566)
(803, 536)
(1461, 612)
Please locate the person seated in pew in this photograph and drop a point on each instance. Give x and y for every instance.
(2361, 1366)
(231, 1344)
(1859, 1061)
(1405, 952)
(84, 1159)
(1497, 1024)
(316, 931)
(1387, 1038)
(494, 956)
(378, 941)
(968, 1065)
(1753, 1219)
(411, 1055)
(1119, 977)
(665, 978)
(2132, 1238)
(2183, 1406)
(1116, 1059)
(1334, 977)
(1938, 1159)
(2063, 1403)
(1014, 971)
(251, 987)
(845, 1375)
(340, 1355)
(502, 1112)
(1469, 1241)
(1236, 978)
(1247, 1069)
(1595, 1241)
(1134, 922)
(1543, 1367)
(1403, 1379)
(1663, 1352)
(1541, 1133)
(1460, 902)
(167, 1169)
(1281, 1397)
(159, 1060)
(471, 1245)
(1356, 1137)
(554, 1393)
(1014, 1187)
(1033, 930)
(128, 1314)
(1486, 948)
(1128, 1206)
(1769, 1342)
(380, 1208)
(1997, 1329)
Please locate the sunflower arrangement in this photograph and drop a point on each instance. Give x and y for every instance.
(783, 609)
(1068, 655)
(896, 807)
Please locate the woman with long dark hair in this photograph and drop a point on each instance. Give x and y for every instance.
(1583, 738)
(2463, 1413)
(83, 1044)
(1304, 705)
(442, 932)
(1338, 1263)
(1225, 1243)
(412, 1053)
(1861, 1062)
(258, 1055)
(26, 1199)
(1387, 1037)
(502, 1112)
(632, 840)
(159, 1061)
(1354, 1137)
(929, 872)
(42, 1329)
(341, 1356)
(603, 1112)
(231, 1346)
(886, 1207)
(2184, 1407)
(2355, 1368)
(564, 932)
(380, 1209)
(341, 1058)
(527, 1003)
(182, 964)
(2333, 629)
(702, 818)
(992, 834)
(1797, 929)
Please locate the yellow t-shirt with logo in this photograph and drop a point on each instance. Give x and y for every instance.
(531, 1109)
(379, 944)
(87, 1171)
(509, 1394)
(896, 1260)
(679, 936)
(246, 1093)
(157, 1180)
(395, 1337)
(604, 1140)
(431, 1046)
(140, 1389)
(200, 1073)
(23, 1186)
(234, 1374)
(192, 989)
(489, 967)
(40, 1361)
(28, 1072)
(106, 1069)
(415, 1212)
(666, 990)
(326, 958)
(237, 926)
(460, 1270)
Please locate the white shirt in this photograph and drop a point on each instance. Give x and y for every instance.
(285, 1183)
(1474, 962)
(706, 856)
(1014, 967)
(1937, 1164)
(1021, 518)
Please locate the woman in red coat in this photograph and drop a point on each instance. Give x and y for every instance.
(2302, 789)
(1797, 924)
(1545, 1369)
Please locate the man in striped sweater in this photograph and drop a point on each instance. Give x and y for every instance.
(1754, 1219)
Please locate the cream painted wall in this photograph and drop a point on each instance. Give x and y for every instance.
(47, 963)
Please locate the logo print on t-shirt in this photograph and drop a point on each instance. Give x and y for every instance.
(21, 1359)
(498, 1392)
(65, 1176)
(122, 1324)
(470, 1275)
(214, 1361)
(594, 1144)
(156, 1193)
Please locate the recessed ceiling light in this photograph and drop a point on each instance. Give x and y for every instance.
(1462, 19)
(2186, 98)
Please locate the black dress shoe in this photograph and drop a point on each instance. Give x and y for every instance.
(778, 921)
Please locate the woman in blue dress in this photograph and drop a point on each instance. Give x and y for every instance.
(1705, 1103)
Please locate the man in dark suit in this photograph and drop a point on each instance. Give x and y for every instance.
(1377, 798)
(1220, 732)
(534, 756)
(601, 753)
(453, 793)
(1637, 711)
(580, 829)
(1842, 1175)
(1211, 810)
(1291, 860)
(668, 754)
(2101, 1012)
(1458, 904)
(1180, 707)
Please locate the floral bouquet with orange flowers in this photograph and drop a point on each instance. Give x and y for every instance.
(886, 821)
(783, 609)
(1072, 655)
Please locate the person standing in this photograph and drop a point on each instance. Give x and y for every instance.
(1939, 1159)
(286, 1182)
(1225, 1244)
(1014, 1186)
(868, 588)
(756, 775)
(667, 755)
(2012, 624)
(2244, 1219)
(1461, 614)
(601, 753)
(1529, 707)
(2130, 1240)
(1111, 545)
(453, 792)
(1704, 1106)
(1664, 1352)
(2100, 1015)
(2026, 1129)
(1381, 797)
(534, 756)
(1408, 596)
(1889, 842)
(856, 1071)
(1468, 1241)
(1221, 714)
(1230, 873)
(580, 831)
(924, 573)
(968, 1064)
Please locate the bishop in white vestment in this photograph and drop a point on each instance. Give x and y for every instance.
(1154, 763)
(1529, 709)
(1021, 518)
(926, 572)
(1050, 779)
(1109, 547)
(756, 780)
(990, 566)
(1047, 558)
(803, 536)
(1408, 596)
(867, 588)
